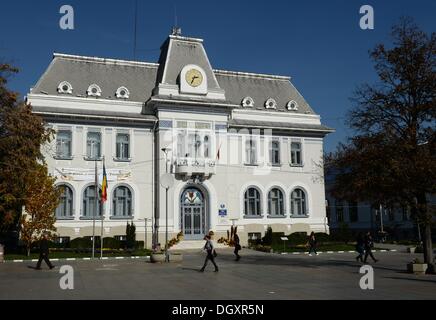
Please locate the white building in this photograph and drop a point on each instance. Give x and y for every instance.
(243, 148)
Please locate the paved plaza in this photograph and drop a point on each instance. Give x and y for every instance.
(257, 276)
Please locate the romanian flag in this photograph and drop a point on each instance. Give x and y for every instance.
(104, 185)
(218, 154)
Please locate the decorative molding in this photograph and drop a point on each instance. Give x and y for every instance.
(247, 102)
(93, 91)
(65, 87)
(270, 104)
(122, 93)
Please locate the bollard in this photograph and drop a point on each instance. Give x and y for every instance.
(2, 250)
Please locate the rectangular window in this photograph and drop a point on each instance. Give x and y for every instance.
(122, 146)
(405, 213)
(63, 144)
(339, 211)
(274, 152)
(353, 211)
(296, 159)
(93, 145)
(250, 151)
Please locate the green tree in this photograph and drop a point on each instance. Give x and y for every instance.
(391, 159)
(22, 134)
(130, 235)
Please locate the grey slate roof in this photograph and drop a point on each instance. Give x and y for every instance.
(261, 89)
(141, 78)
(82, 72)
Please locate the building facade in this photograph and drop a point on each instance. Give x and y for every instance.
(235, 148)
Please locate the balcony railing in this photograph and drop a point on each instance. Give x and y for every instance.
(193, 166)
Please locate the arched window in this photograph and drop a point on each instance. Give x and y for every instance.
(122, 202)
(65, 207)
(89, 203)
(275, 202)
(252, 203)
(298, 203)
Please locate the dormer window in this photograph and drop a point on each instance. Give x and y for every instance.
(292, 105)
(65, 87)
(122, 93)
(270, 104)
(93, 91)
(247, 102)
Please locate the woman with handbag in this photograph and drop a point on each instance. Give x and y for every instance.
(211, 253)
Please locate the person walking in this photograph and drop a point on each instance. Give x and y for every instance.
(368, 247)
(360, 247)
(312, 244)
(237, 246)
(211, 253)
(43, 253)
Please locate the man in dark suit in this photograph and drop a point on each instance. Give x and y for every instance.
(43, 253)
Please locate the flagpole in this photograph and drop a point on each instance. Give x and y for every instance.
(95, 212)
(102, 219)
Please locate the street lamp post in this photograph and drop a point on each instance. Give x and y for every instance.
(166, 150)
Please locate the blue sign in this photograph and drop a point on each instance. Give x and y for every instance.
(222, 212)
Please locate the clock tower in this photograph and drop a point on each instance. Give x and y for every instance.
(185, 71)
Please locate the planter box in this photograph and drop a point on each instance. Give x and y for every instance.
(417, 268)
(411, 249)
(160, 257)
(157, 257)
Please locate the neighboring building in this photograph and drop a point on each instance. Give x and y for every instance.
(364, 217)
(245, 148)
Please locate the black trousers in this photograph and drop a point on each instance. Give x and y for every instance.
(368, 252)
(44, 257)
(211, 258)
(312, 248)
(237, 254)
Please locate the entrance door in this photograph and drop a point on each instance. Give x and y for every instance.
(193, 214)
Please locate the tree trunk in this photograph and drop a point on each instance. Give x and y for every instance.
(428, 248)
(427, 222)
(28, 251)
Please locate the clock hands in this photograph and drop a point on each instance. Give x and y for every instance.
(193, 78)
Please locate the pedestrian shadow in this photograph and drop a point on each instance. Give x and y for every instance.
(32, 267)
(411, 279)
(191, 269)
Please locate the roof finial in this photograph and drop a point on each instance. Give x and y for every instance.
(176, 31)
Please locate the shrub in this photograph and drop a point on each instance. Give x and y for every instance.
(130, 235)
(111, 243)
(322, 237)
(81, 243)
(267, 239)
(298, 238)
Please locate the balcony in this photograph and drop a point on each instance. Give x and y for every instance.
(192, 166)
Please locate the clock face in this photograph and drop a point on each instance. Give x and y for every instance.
(194, 77)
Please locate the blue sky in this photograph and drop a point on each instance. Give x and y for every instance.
(318, 43)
